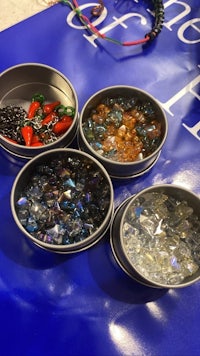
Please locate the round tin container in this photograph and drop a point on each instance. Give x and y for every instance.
(114, 168)
(77, 206)
(18, 84)
(117, 240)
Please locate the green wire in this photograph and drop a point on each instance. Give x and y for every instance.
(78, 12)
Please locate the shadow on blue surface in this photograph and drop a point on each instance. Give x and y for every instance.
(17, 248)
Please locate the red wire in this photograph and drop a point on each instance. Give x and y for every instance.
(75, 3)
(132, 43)
(94, 29)
(85, 18)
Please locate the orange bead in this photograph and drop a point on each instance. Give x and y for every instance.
(121, 132)
(109, 144)
(129, 120)
(111, 130)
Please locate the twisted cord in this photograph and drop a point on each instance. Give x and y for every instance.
(97, 11)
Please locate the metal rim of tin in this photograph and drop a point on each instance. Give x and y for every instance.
(116, 248)
(117, 243)
(123, 165)
(81, 248)
(114, 240)
(78, 246)
(29, 152)
(12, 157)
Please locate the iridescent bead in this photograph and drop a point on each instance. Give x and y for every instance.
(37, 209)
(31, 225)
(114, 117)
(23, 201)
(69, 182)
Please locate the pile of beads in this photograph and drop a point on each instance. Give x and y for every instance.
(65, 201)
(44, 122)
(123, 129)
(161, 238)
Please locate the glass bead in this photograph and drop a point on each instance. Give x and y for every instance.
(23, 215)
(23, 201)
(31, 225)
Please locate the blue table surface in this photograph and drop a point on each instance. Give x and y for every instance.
(83, 304)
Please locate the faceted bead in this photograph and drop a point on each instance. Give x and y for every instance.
(23, 201)
(31, 225)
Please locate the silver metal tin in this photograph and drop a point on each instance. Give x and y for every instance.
(116, 240)
(122, 169)
(19, 83)
(21, 182)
